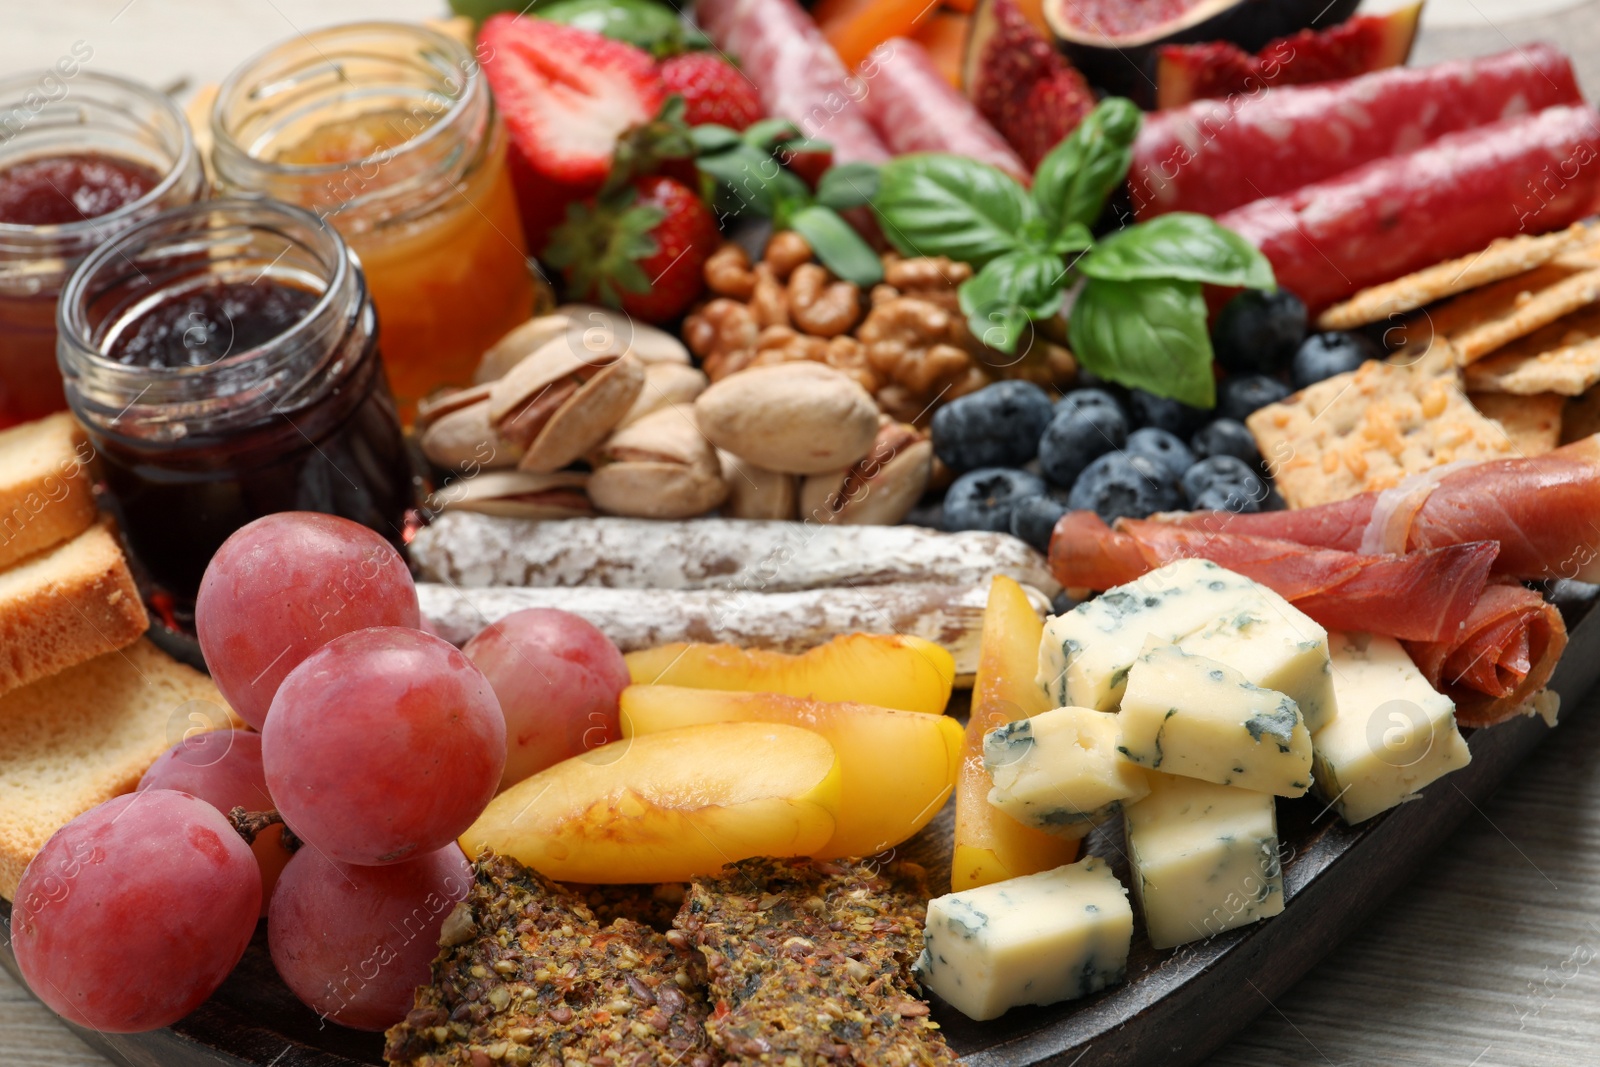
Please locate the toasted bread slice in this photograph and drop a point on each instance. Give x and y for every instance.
(81, 737)
(64, 606)
(45, 497)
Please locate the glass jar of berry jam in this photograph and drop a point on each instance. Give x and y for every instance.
(388, 131)
(223, 359)
(83, 156)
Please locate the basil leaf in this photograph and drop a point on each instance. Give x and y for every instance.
(1179, 245)
(942, 205)
(750, 180)
(713, 138)
(1003, 299)
(1074, 238)
(848, 185)
(837, 246)
(1074, 179)
(765, 133)
(1146, 334)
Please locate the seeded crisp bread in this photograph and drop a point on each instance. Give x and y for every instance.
(1502, 259)
(1487, 319)
(1563, 357)
(810, 963)
(1532, 422)
(527, 975)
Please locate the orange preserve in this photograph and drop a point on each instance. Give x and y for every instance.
(388, 132)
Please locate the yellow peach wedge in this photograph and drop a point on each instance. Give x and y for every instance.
(896, 767)
(669, 806)
(990, 845)
(885, 670)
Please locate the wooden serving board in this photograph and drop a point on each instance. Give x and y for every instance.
(1176, 1007)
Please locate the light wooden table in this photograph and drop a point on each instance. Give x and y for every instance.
(1491, 958)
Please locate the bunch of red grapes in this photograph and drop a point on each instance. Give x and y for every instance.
(379, 744)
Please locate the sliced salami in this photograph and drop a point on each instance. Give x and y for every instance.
(1393, 216)
(798, 74)
(1214, 155)
(914, 109)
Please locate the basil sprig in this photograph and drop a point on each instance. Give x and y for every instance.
(1139, 318)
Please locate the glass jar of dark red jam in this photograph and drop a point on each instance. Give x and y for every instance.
(83, 156)
(223, 359)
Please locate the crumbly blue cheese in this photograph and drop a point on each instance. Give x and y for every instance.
(1085, 654)
(1195, 717)
(1039, 939)
(1274, 645)
(1204, 857)
(1393, 733)
(1060, 771)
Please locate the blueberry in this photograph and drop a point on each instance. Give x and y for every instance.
(1034, 517)
(1226, 437)
(1325, 354)
(1079, 399)
(1178, 419)
(1161, 447)
(1076, 436)
(1061, 603)
(983, 499)
(1257, 332)
(1238, 397)
(998, 426)
(1211, 483)
(1118, 485)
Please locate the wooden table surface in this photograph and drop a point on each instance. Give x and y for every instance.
(1491, 958)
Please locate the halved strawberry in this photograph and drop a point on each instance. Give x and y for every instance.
(566, 94)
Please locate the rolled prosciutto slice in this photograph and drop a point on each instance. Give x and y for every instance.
(1543, 511)
(798, 74)
(914, 109)
(1214, 155)
(1420, 596)
(1500, 659)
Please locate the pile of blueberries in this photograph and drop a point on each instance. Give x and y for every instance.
(1023, 461)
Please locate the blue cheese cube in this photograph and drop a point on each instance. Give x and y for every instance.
(1060, 770)
(1205, 858)
(1195, 717)
(1393, 733)
(1039, 939)
(1085, 654)
(1274, 645)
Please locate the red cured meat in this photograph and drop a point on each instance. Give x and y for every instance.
(799, 75)
(1215, 155)
(1502, 656)
(1543, 511)
(914, 109)
(1388, 218)
(1422, 596)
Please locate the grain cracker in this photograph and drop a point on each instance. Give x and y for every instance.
(1486, 320)
(1532, 422)
(1562, 357)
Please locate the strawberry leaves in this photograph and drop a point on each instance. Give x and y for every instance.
(600, 246)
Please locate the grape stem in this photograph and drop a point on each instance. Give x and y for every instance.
(251, 823)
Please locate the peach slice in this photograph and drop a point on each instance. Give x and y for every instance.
(669, 806)
(896, 767)
(885, 670)
(989, 844)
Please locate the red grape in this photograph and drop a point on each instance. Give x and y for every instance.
(223, 768)
(284, 586)
(558, 679)
(354, 942)
(134, 913)
(384, 744)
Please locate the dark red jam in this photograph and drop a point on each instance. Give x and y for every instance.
(70, 188)
(197, 327)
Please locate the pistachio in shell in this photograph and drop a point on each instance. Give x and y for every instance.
(878, 490)
(666, 383)
(558, 404)
(517, 494)
(517, 345)
(754, 493)
(597, 328)
(465, 438)
(794, 418)
(660, 467)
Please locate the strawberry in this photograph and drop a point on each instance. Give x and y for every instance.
(567, 94)
(714, 90)
(642, 248)
(810, 163)
(1024, 87)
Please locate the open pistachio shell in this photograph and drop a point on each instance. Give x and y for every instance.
(516, 346)
(612, 382)
(664, 384)
(517, 494)
(875, 492)
(599, 328)
(660, 467)
(439, 405)
(757, 493)
(465, 438)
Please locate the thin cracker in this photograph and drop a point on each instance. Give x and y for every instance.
(1502, 259)
(1532, 422)
(1562, 357)
(1482, 322)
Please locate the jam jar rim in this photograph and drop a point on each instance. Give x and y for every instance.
(233, 154)
(186, 158)
(72, 327)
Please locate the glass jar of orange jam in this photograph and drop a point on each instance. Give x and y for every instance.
(388, 132)
(83, 157)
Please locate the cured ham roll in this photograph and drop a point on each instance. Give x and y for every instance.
(1543, 511)
(1214, 155)
(1502, 657)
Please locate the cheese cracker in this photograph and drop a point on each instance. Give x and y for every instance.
(1563, 357)
(1532, 422)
